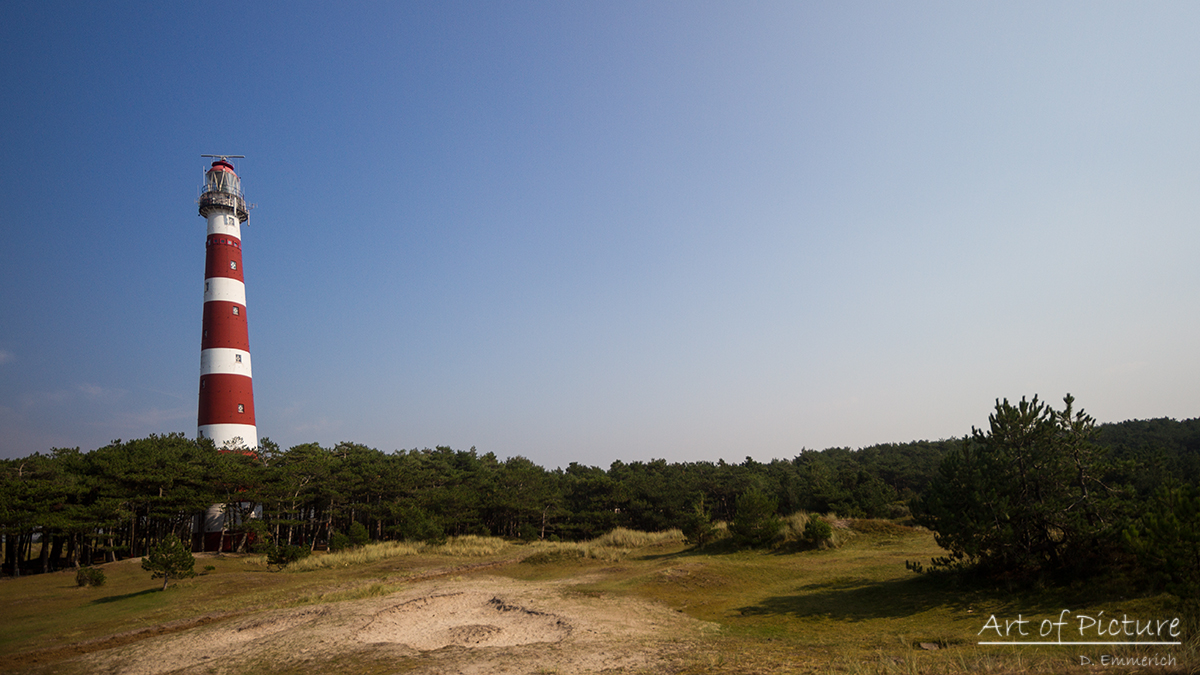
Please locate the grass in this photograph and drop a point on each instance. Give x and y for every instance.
(853, 608)
(469, 546)
(612, 547)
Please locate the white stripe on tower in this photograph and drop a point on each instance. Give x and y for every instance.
(222, 288)
(219, 360)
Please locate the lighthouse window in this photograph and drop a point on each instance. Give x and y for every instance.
(206, 287)
(233, 264)
(241, 408)
(236, 311)
(237, 357)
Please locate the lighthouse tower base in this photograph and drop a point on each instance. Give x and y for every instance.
(218, 531)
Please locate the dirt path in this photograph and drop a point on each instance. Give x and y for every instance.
(480, 624)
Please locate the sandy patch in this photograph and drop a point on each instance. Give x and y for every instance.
(481, 624)
(464, 618)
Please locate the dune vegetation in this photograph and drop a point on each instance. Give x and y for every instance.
(848, 605)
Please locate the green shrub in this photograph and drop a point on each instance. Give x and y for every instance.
(89, 576)
(338, 542)
(698, 526)
(358, 534)
(527, 532)
(755, 522)
(818, 532)
(282, 556)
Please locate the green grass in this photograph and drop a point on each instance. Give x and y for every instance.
(854, 608)
(850, 609)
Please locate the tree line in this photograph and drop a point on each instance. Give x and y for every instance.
(70, 508)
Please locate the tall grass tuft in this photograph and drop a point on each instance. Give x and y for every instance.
(356, 556)
(797, 530)
(469, 546)
(793, 526)
(611, 547)
(623, 538)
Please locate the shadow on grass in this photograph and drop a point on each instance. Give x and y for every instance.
(857, 601)
(728, 547)
(664, 556)
(126, 596)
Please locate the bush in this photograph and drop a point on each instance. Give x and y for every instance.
(755, 523)
(89, 576)
(282, 556)
(697, 526)
(818, 532)
(338, 542)
(358, 534)
(527, 532)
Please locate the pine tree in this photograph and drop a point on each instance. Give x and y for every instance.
(755, 523)
(169, 559)
(1026, 496)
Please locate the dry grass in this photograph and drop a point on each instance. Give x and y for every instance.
(630, 539)
(612, 547)
(609, 547)
(794, 524)
(468, 546)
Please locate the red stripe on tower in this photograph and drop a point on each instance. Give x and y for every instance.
(226, 410)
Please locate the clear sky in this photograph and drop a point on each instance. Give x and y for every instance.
(588, 231)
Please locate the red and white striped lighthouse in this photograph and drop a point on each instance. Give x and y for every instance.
(226, 410)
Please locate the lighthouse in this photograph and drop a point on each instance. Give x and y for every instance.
(226, 409)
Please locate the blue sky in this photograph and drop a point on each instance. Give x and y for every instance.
(582, 232)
